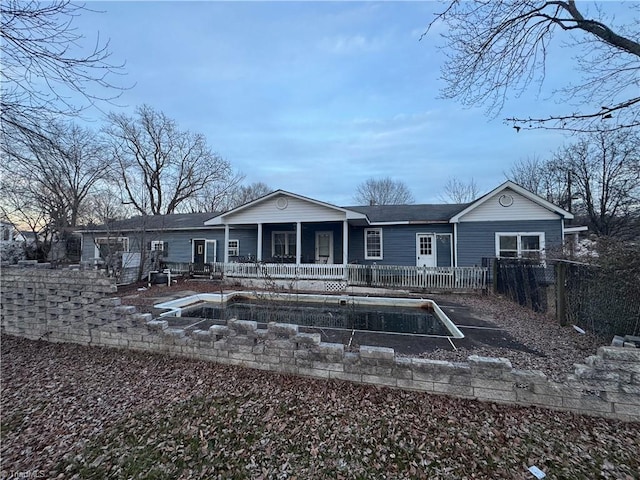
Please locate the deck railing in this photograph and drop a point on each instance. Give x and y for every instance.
(302, 271)
(387, 276)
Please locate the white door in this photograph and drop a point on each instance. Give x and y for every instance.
(426, 250)
(324, 247)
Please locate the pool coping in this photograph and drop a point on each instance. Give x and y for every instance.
(174, 307)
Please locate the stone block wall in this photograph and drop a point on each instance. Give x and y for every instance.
(78, 307)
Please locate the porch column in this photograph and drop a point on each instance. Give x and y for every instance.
(455, 244)
(298, 241)
(345, 242)
(259, 252)
(345, 248)
(226, 243)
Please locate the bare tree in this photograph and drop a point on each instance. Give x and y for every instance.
(17, 205)
(544, 178)
(247, 193)
(457, 191)
(162, 169)
(222, 198)
(499, 48)
(44, 69)
(49, 175)
(216, 197)
(603, 174)
(384, 191)
(104, 206)
(597, 178)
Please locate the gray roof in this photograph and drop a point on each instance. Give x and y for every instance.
(410, 213)
(156, 222)
(433, 213)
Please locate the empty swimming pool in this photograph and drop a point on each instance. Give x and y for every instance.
(369, 314)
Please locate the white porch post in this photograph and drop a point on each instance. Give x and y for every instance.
(345, 242)
(455, 244)
(226, 243)
(298, 241)
(345, 248)
(259, 252)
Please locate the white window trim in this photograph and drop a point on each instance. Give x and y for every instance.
(287, 233)
(231, 249)
(96, 243)
(519, 236)
(157, 243)
(207, 243)
(450, 246)
(366, 250)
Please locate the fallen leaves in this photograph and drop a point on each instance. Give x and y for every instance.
(78, 412)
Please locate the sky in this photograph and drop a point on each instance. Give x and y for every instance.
(313, 97)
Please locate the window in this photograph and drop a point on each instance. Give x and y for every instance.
(157, 245)
(233, 248)
(426, 245)
(7, 232)
(444, 252)
(106, 246)
(373, 243)
(283, 244)
(519, 245)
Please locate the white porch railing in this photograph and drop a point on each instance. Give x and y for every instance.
(443, 278)
(303, 271)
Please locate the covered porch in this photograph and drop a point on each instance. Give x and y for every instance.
(298, 243)
(284, 228)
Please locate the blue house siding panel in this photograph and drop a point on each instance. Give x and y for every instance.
(267, 237)
(180, 246)
(444, 249)
(248, 239)
(309, 240)
(308, 237)
(179, 242)
(398, 243)
(477, 239)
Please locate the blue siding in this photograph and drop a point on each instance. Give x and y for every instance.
(309, 230)
(248, 238)
(179, 242)
(398, 244)
(477, 239)
(267, 231)
(443, 250)
(309, 240)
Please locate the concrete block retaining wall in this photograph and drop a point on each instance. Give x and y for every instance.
(78, 307)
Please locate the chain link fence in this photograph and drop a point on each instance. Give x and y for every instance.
(601, 300)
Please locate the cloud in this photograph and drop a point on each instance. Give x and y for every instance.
(351, 45)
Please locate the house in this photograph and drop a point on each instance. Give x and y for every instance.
(9, 232)
(286, 228)
(12, 243)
